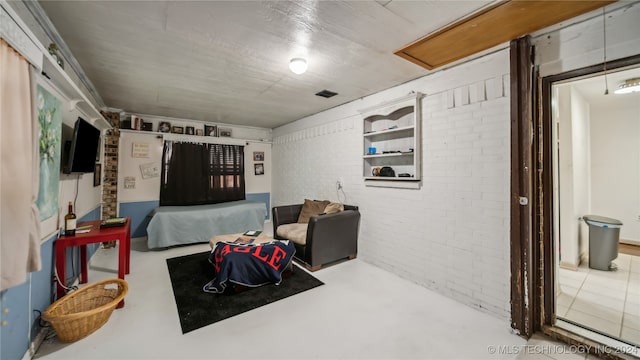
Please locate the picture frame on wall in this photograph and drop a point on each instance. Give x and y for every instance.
(100, 150)
(164, 127)
(177, 130)
(199, 132)
(225, 132)
(97, 175)
(259, 168)
(190, 130)
(258, 156)
(210, 130)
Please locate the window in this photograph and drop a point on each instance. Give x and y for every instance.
(196, 174)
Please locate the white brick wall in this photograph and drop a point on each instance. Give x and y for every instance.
(451, 235)
(580, 45)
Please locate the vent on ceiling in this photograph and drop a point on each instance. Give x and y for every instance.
(326, 93)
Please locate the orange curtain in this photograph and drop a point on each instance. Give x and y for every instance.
(19, 219)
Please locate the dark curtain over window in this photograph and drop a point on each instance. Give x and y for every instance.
(196, 174)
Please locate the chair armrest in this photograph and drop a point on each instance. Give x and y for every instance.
(286, 214)
(333, 236)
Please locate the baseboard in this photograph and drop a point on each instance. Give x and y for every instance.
(630, 242)
(584, 257)
(568, 266)
(35, 344)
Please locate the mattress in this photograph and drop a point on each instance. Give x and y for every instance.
(179, 225)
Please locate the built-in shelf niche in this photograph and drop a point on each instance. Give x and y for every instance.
(393, 129)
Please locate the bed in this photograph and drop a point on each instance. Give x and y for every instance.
(180, 225)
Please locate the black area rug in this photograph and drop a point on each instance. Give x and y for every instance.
(197, 308)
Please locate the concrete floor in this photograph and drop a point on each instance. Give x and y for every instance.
(362, 312)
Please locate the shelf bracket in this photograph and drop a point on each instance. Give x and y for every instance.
(73, 104)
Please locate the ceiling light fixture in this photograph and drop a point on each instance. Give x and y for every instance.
(628, 86)
(298, 65)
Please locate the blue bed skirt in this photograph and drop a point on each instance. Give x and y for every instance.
(179, 225)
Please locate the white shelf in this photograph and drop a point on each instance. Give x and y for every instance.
(367, 156)
(389, 178)
(394, 183)
(390, 131)
(393, 127)
(20, 36)
(79, 100)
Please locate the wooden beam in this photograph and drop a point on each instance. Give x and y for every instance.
(522, 274)
(495, 25)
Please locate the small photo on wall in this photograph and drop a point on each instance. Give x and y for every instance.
(258, 156)
(259, 169)
(164, 127)
(210, 130)
(177, 130)
(190, 130)
(199, 132)
(97, 175)
(225, 132)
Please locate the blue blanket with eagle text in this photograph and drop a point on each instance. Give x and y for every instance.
(250, 265)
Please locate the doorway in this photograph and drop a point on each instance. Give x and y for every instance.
(594, 150)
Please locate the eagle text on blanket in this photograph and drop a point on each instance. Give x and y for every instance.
(249, 264)
(272, 258)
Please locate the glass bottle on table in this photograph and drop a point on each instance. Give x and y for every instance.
(70, 221)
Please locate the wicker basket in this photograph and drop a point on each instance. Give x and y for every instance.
(84, 311)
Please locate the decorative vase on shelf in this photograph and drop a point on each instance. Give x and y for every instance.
(53, 50)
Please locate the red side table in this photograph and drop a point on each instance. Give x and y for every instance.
(95, 235)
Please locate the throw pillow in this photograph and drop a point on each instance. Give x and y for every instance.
(333, 208)
(311, 208)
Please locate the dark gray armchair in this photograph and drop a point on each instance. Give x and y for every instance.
(329, 237)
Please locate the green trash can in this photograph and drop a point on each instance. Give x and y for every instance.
(604, 238)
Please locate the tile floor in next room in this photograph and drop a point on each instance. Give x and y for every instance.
(362, 312)
(608, 301)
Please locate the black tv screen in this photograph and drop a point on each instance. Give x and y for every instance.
(83, 149)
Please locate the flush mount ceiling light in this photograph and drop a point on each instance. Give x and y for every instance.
(298, 65)
(628, 86)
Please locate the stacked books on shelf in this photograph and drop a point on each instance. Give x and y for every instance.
(113, 222)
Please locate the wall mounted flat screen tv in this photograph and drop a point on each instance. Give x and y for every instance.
(83, 148)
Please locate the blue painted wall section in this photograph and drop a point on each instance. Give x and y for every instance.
(27, 301)
(139, 212)
(262, 197)
(13, 342)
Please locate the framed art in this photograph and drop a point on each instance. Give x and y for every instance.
(210, 130)
(259, 169)
(225, 132)
(140, 150)
(177, 130)
(97, 175)
(199, 132)
(50, 140)
(258, 156)
(190, 130)
(164, 127)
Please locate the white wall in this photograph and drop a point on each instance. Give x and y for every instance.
(581, 153)
(149, 189)
(258, 183)
(568, 224)
(574, 173)
(129, 167)
(451, 235)
(88, 197)
(615, 141)
(582, 44)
